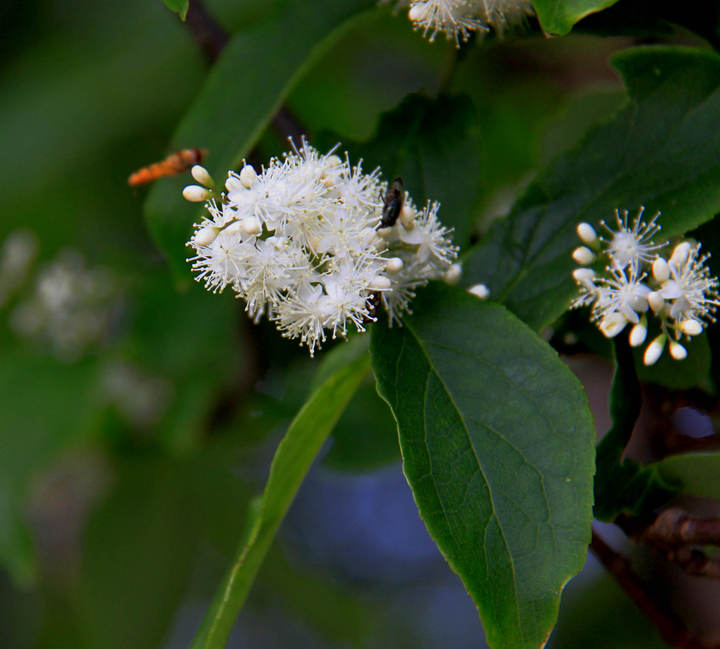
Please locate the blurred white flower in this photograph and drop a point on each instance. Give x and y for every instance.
(299, 243)
(636, 282)
(70, 308)
(16, 258)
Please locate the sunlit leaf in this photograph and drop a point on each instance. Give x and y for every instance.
(559, 16)
(180, 7)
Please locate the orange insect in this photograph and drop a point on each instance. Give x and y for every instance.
(173, 165)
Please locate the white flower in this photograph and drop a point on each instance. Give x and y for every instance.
(631, 245)
(458, 19)
(622, 292)
(298, 242)
(679, 291)
(690, 292)
(70, 308)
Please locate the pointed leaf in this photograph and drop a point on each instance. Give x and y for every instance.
(180, 7)
(292, 460)
(497, 443)
(559, 16)
(659, 151)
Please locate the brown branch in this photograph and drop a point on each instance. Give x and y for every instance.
(679, 537)
(212, 39)
(208, 33)
(671, 627)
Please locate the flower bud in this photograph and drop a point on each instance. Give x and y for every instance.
(407, 217)
(638, 334)
(587, 234)
(654, 350)
(691, 327)
(656, 301)
(583, 256)
(196, 194)
(677, 351)
(584, 276)
(199, 173)
(248, 176)
(205, 236)
(453, 274)
(680, 253)
(611, 325)
(394, 265)
(480, 291)
(660, 270)
(250, 225)
(381, 283)
(418, 12)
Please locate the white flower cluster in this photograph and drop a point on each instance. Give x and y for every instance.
(301, 243)
(70, 308)
(631, 280)
(458, 19)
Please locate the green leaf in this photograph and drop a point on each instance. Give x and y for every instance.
(497, 444)
(139, 551)
(292, 460)
(659, 151)
(254, 74)
(434, 145)
(695, 474)
(180, 7)
(559, 16)
(623, 485)
(693, 371)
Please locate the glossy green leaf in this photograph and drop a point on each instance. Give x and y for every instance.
(659, 151)
(434, 145)
(292, 460)
(558, 16)
(254, 74)
(180, 7)
(623, 485)
(695, 474)
(497, 444)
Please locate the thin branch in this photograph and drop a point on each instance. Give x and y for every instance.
(670, 626)
(208, 33)
(679, 537)
(212, 39)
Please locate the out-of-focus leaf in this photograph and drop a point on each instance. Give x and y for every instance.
(497, 444)
(45, 408)
(434, 145)
(623, 485)
(659, 151)
(559, 16)
(692, 473)
(141, 544)
(242, 93)
(180, 7)
(292, 460)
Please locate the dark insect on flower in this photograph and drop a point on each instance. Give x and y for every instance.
(392, 203)
(176, 163)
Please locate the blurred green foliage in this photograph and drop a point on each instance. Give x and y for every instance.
(116, 524)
